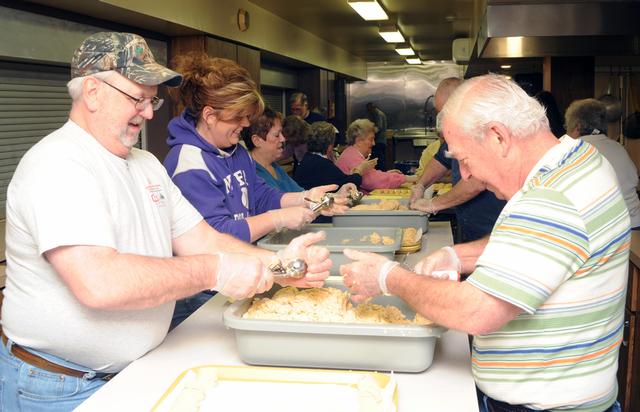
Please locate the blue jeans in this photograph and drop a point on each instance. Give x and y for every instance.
(484, 407)
(185, 307)
(26, 388)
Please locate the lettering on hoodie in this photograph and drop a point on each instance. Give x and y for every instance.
(241, 180)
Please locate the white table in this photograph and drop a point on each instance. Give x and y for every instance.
(202, 339)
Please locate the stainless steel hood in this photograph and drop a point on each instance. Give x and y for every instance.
(559, 28)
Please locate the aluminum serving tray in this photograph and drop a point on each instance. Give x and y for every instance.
(383, 218)
(339, 238)
(400, 348)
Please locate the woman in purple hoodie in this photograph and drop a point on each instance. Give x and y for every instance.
(213, 171)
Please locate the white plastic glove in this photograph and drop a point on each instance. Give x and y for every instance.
(364, 166)
(366, 276)
(346, 189)
(291, 217)
(417, 192)
(425, 205)
(317, 258)
(241, 276)
(443, 263)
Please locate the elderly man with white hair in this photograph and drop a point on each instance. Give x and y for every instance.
(546, 292)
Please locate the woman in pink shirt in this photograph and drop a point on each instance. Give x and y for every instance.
(360, 138)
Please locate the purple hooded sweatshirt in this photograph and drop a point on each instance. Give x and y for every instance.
(221, 184)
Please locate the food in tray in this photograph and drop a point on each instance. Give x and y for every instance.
(386, 205)
(324, 305)
(391, 192)
(374, 238)
(411, 236)
(441, 188)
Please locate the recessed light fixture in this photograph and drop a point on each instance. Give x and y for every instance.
(505, 66)
(368, 9)
(391, 34)
(414, 60)
(405, 50)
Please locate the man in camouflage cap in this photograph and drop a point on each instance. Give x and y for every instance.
(126, 53)
(101, 243)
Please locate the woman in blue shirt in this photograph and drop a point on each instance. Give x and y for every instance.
(265, 142)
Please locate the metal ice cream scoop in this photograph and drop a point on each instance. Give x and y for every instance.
(295, 269)
(326, 202)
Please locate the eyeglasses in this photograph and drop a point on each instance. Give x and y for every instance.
(141, 103)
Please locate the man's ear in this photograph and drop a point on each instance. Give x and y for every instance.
(91, 93)
(499, 137)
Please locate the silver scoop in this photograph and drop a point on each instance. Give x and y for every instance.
(325, 203)
(295, 269)
(355, 196)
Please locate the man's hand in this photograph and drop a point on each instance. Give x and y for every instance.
(425, 205)
(317, 258)
(366, 276)
(444, 259)
(241, 276)
(417, 192)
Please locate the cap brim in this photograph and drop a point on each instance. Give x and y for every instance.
(153, 74)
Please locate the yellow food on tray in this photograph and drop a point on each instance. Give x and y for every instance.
(389, 204)
(324, 305)
(441, 188)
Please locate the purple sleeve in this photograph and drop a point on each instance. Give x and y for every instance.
(203, 193)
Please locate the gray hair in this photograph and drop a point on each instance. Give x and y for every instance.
(321, 137)
(589, 116)
(359, 128)
(494, 98)
(298, 96)
(74, 86)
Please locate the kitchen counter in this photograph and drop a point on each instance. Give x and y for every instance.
(203, 339)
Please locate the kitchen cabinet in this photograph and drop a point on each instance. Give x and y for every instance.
(629, 360)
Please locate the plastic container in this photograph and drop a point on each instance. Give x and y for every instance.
(400, 348)
(383, 218)
(339, 238)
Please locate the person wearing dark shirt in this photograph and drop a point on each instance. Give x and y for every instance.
(316, 166)
(300, 107)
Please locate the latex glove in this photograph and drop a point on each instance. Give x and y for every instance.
(241, 276)
(364, 166)
(440, 261)
(291, 217)
(346, 189)
(417, 192)
(425, 205)
(317, 258)
(411, 178)
(340, 202)
(366, 276)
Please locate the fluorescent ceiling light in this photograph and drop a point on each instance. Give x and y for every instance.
(391, 34)
(405, 50)
(414, 60)
(505, 66)
(368, 10)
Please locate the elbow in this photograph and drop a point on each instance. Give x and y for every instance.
(94, 297)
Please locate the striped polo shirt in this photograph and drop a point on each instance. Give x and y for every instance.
(559, 251)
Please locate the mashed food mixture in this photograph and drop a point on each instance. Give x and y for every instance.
(325, 305)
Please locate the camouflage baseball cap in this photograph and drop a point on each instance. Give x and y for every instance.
(126, 53)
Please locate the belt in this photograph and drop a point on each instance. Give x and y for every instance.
(35, 360)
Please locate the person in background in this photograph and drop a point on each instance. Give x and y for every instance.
(546, 296)
(476, 207)
(265, 142)
(553, 113)
(586, 119)
(101, 243)
(317, 168)
(296, 133)
(379, 150)
(360, 140)
(214, 172)
(299, 105)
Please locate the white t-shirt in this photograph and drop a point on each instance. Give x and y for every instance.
(625, 169)
(69, 190)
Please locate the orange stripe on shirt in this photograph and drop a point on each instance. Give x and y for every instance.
(554, 239)
(573, 165)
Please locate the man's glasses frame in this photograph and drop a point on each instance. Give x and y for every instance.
(140, 103)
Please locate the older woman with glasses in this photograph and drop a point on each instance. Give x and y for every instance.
(360, 138)
(265, 142)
